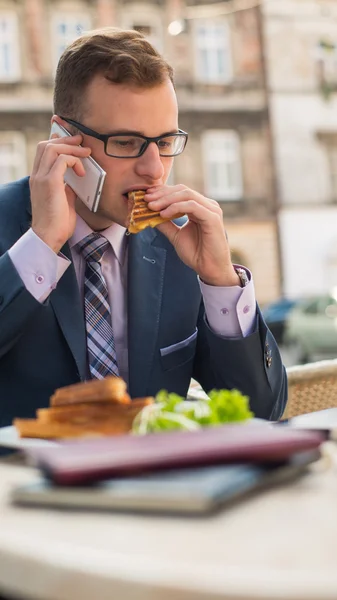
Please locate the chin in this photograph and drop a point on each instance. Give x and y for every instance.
(108, 217)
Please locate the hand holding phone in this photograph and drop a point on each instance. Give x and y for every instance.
(52, 202)
(89, 187)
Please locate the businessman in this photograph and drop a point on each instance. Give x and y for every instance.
(81, 299)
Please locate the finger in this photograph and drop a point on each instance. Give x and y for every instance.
(65, 161)
(73, 141)
(181, 191)
(160, 191)
(184, 195)
(195, 211)
(166, 188)
(52, 153)
(170, 230)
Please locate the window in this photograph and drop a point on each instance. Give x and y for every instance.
(213, 54)
(9, 48)
(326, 53)
(152, 31)
(333, 168)
(12, 156)
(146, 20)
(222, 165)
(66, 29)
(329, 141)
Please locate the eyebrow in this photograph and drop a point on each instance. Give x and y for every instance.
(141, 133)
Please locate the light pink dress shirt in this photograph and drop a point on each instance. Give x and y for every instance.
(230, 311)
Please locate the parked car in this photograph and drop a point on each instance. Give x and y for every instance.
(311, 329)
(275, 315)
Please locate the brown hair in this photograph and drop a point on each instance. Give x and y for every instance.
(121, 56)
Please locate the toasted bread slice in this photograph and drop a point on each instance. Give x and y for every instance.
(33, 428)
(110, 389)
(82, 420)
(140, 216)
(91, 412)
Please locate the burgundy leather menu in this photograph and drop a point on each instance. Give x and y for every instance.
(78, 462)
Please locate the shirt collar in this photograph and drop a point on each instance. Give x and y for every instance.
(115, 234)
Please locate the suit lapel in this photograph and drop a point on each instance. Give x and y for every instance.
(67, 305)
(145, 288)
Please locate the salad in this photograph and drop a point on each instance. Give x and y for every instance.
(170, 411)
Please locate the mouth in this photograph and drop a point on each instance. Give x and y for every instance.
(134, 188)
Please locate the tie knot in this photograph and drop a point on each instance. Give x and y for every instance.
(93, 247)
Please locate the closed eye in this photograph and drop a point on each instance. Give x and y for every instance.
(125, 143)
(165, 144)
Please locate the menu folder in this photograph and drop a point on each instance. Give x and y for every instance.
(190, 491)
(82, 462)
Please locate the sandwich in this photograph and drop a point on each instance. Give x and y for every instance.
(109, 389)
(91, 409)
(140, 215)
(90, 420)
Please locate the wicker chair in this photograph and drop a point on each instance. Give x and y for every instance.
(311, 387)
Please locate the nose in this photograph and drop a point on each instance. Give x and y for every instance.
(150, 165)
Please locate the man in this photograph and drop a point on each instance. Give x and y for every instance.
(161, 306)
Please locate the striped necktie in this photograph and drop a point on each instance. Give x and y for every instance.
(100, 340)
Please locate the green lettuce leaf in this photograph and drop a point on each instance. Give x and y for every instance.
(171, 411)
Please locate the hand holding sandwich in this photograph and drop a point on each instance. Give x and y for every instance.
(202, 242)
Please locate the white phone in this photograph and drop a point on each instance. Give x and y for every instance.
(89, 187)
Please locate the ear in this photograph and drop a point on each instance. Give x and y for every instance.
(52, 121)
(57, 119)
(69, 128)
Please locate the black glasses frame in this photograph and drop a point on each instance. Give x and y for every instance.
(104, 137)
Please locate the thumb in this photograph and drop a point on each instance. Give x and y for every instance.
(170, 230)
(71, 196)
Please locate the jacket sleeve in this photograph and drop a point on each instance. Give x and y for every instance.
(17, 305)
(252, 365)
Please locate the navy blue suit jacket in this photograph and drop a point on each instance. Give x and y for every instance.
(43, 346)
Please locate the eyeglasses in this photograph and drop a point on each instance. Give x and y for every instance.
(132, 145)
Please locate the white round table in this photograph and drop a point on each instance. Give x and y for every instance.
(278, 544)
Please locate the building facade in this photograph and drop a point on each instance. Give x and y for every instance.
(301, 58)
(217, 53)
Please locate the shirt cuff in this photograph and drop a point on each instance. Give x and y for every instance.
(230, 311)
(38, 266)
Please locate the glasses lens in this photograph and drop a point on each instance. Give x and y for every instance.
(171, 145)
(124, 146)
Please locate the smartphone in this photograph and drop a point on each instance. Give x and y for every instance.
(89, 187)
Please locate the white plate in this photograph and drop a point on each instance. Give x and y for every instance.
(9, 439)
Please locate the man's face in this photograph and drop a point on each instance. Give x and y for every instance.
(110, 108)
